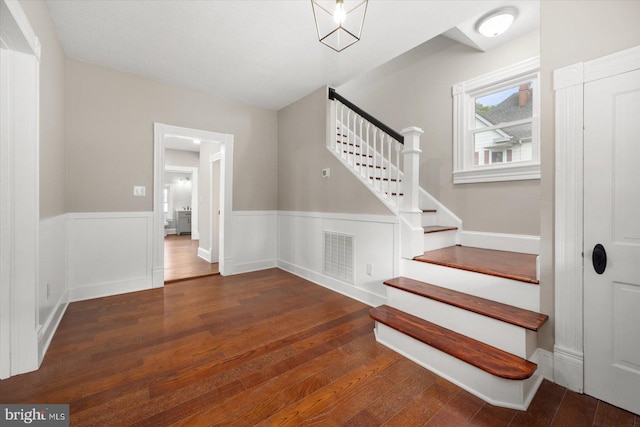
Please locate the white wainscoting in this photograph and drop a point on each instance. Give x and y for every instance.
(255, 241)
(52, 279)
(376, 242)
(109, 253)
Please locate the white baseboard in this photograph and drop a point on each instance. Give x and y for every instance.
(48, 330)
(568, 369)
(333, 284)
(204, 254)
(254, 266)
(544, 360)
(501, 241)
(110, 289)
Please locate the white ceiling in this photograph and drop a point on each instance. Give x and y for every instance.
(263, 52)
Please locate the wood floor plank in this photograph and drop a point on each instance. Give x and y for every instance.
(159, 357)
(181, 260)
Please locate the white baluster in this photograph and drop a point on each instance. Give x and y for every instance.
(397, 145)
(375, 142)
(361, 142)
(367, 171)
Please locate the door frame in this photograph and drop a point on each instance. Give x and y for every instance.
(569, 190)
(19, 193)
(226, 141)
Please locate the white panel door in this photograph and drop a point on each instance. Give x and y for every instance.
(612, 219)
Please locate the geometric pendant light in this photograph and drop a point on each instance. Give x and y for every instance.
(339, 22)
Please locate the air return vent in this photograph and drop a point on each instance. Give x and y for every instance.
(338, 256)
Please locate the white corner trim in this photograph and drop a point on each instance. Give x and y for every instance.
(500, 241)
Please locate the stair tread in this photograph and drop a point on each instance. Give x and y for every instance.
(377, 166)
(473, 352)
(506, 313)
(437, 228)
(510, 265)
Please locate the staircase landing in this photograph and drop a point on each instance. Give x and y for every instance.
(510, 265)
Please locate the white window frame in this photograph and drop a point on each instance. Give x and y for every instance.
(464, 95)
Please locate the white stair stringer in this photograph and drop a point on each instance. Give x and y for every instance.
(515, 394)
(507, 291)
(511, 338)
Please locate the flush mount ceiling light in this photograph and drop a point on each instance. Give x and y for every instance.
(497, 22)
(339, 22)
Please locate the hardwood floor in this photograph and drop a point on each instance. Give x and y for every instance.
(181, 260)
(264, 348)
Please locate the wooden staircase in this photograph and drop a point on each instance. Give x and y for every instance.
(481, 344)
(467, 314)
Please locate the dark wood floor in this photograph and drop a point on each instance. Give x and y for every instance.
(264, 348)
(181, 260)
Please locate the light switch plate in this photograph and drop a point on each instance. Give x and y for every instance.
(139, 191)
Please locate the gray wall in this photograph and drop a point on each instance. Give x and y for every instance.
(302, 154)
(570, 32)
(415, 90)
(110, 118)
(52, 111)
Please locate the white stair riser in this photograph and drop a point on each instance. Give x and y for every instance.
(515, 394)
(429, 218)
(505, 336)
(507, 291)
(439, 240)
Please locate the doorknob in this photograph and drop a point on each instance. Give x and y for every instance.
(599, 258)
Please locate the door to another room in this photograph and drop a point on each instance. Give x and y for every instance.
(612, 240)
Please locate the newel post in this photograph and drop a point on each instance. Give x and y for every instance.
(411, 158)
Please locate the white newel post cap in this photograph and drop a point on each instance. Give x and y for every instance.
(412, 139)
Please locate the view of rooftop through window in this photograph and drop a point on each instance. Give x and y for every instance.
(503, 122)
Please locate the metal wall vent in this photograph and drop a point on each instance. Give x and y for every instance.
(338, 256)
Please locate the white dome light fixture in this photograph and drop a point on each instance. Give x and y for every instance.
(497, 22)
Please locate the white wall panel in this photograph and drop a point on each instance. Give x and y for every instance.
(109, 253)
(376, 240)
(254, 240)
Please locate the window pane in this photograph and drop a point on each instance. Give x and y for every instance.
(515, 141)
(505, 106)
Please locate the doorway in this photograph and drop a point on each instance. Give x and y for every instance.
(215, 142)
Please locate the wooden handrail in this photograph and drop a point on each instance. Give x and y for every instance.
(333, 95)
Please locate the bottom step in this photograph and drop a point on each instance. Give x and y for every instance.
(407, 335)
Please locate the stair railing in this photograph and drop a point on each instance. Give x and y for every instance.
(373, 150)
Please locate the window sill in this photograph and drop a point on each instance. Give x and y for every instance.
(496, 174)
